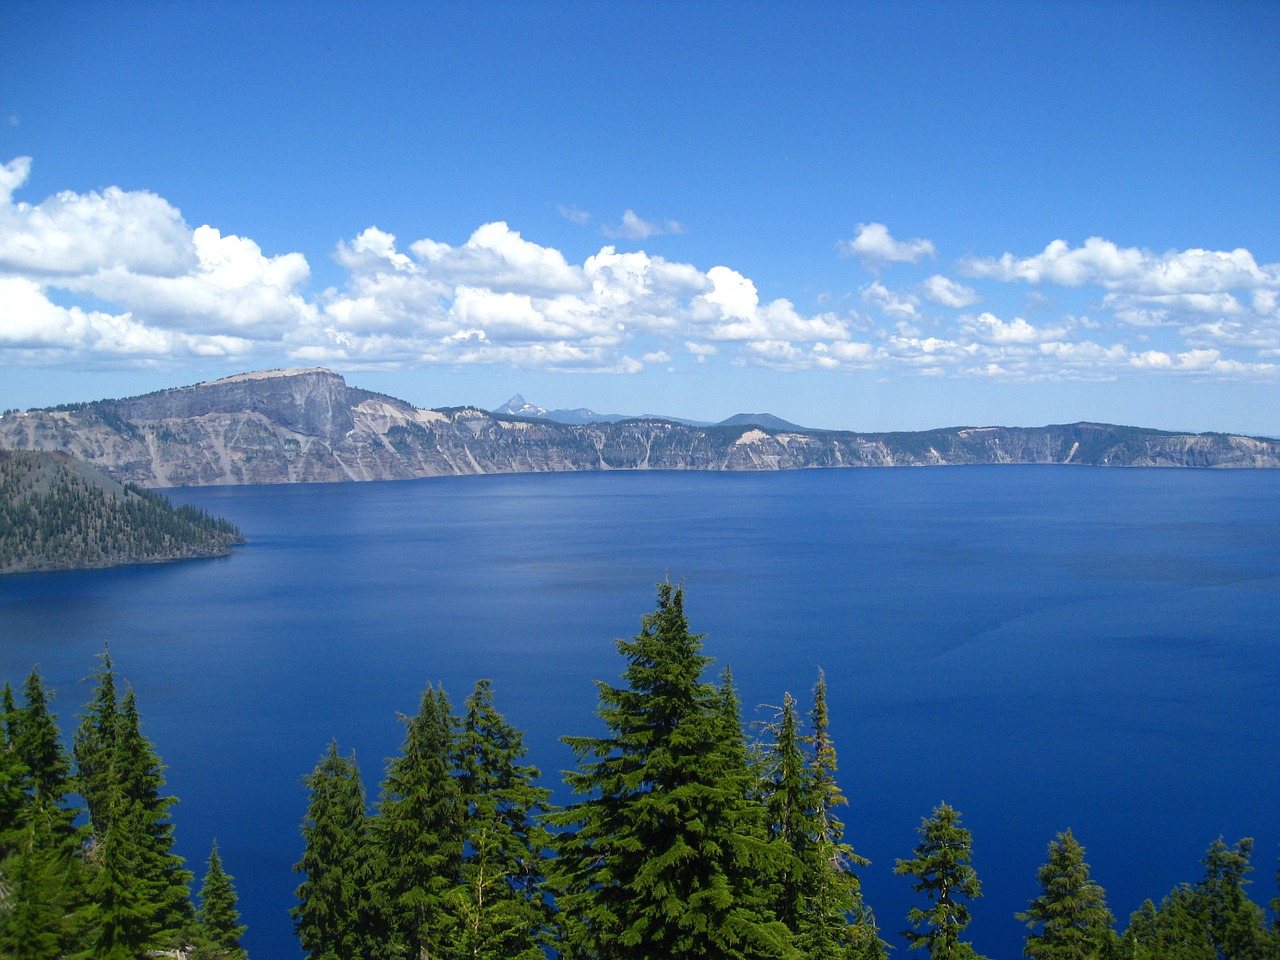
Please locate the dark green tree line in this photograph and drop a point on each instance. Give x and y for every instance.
(450, 865)
(98, 882)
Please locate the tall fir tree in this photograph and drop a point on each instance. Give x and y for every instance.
(1071, 910)
(843, 924)
(1176, 931)
(41, 875)
(94, 747)
(220, 928)
(1235, 924)
(39, 744)
(792, 805)
(943, 874)
(139, 887)
(13, 775)
(140, 777)
(337, 916)
(418, 833)
(505, 912)
(666, 854)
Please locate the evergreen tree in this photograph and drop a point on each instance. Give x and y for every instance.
(94, 747)
(1177, 931)
(1071, 909)
(666, 856)
(843, 924)
(13, 775)
(219, 920)
(418, 832)
(943, 874)
(38, 743)
(504, 910)
(41, 895)
(140, 888)
(336, 915)
(792, 803)
(1235, 924)
(41, 876)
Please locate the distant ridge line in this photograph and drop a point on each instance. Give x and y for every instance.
(309, 425)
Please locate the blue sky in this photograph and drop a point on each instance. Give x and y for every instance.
(856, 215)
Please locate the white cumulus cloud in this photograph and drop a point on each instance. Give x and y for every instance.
(873, 244)
(72, 234)
(989, 328)
(946, 292)
(899, 306)
(118, 276)
(1130, 269)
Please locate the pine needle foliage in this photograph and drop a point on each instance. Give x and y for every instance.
(139, 888)
(337, 916)
(505, 913)
(220, 928)
(842, 925)
(42, 895)
(418, 833)
(943, 874)
(1235, 924)
(1071, 910)
(666, 854)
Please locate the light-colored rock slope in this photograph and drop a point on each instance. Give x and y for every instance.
(290, 426)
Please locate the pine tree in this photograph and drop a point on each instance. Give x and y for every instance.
(94, 746)
(41, 895)
(41, 875)
(1275, 916)
(1071, 909)
(13, 775)
(504, 910)
(140, 888)
(792, 804)
(418, 832)
(124, 911)
(1235, 924)
(1176, 931)
(843, 924)
(219, 920)
(666, 855)
(39, 744)
(943, 874)
(337, 917)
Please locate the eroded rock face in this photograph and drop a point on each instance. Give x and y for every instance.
(310, 402)
(291, 426)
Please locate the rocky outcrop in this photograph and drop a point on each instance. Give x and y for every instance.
(289, 426)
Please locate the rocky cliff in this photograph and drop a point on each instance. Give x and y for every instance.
(288, 426)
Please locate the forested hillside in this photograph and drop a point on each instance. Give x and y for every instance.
(686, 837)
(58, 514)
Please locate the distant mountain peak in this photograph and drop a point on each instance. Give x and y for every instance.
(519, 406)
(766, 420)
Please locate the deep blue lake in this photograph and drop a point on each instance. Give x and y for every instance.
(1040, 647)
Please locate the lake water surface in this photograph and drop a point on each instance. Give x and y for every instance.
(1040, 647)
